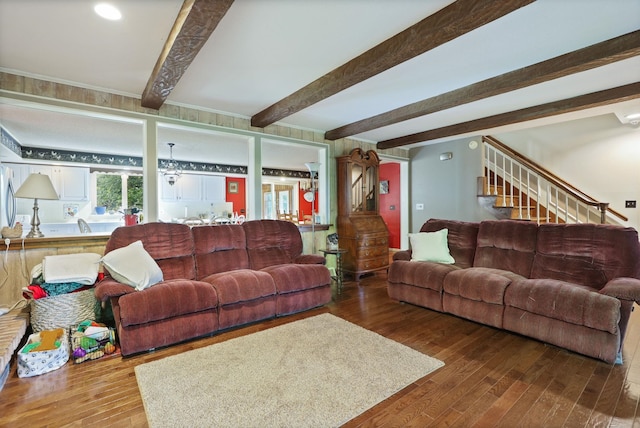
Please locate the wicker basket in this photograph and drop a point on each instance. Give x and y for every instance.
(64, 310)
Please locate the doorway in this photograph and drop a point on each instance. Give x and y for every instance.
(279, 201)
(394, 200)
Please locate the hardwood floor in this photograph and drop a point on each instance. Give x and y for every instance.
(491, 378)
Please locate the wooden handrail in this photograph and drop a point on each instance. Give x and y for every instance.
(552, 178)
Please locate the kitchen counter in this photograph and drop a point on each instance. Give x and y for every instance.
(317, 227)
(70, 227)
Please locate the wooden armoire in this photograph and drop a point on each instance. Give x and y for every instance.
(361, 229)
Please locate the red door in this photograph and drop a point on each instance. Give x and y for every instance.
(390, 201)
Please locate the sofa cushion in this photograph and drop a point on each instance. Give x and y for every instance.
(293, 277)
(219, 249)
(479, 284)
(272, 242)
(241, 285)
(587, 254)
(623, 289)
(297, 301)
(508, 245)
(420, 274)
(167, 299)
(461, 237)
(431, 247)
(133, 266)
(564, 301)
(578, 338)
(474, 310)
(170, 245)
(166, 331)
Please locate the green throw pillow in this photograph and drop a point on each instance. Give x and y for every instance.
(431, 247)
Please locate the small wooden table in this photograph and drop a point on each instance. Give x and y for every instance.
(338, 253)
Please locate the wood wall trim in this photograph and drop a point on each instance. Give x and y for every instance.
(83, 240)
(317, 227)
(443, 26)
(597, 55)
(195, 22)
(594, 99)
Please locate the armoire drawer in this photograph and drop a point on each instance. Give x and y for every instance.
(373, 241)
(374, 263)
(368, 252)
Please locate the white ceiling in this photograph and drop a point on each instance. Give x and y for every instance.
(264, 50)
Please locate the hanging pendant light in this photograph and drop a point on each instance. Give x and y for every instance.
(171, 172)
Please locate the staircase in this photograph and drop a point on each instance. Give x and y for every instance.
(498, 200)
(517, 188)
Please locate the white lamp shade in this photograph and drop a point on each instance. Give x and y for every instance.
(313, 167)
(37, 186)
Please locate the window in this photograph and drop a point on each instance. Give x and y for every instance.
(110, 188)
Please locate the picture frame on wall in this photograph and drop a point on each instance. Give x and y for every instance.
(233, 187)
(384, 187)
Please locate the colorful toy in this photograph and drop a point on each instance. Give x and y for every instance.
(91, 340)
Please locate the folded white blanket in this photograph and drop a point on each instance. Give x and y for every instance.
(81, 268)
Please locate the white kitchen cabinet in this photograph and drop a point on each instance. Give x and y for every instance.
(74, 183)
(213, 187)
(187, 188)
(190, 187)
(71, 183)
(168, 192)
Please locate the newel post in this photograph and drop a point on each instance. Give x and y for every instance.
(603, 211)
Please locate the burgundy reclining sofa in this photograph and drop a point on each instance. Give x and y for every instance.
(214, 278)
(570, 285)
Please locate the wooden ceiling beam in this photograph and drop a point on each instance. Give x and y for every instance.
(594, 99)
(445, 25)
(194, 24)
(600, 54)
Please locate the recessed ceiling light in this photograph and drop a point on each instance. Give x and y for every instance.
(633, 116)
(107, 11)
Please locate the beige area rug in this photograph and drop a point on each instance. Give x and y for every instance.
(317, 372)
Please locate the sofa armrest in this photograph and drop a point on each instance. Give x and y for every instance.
(402, 255)
(623, 289)
(310, 259)
(109, 287)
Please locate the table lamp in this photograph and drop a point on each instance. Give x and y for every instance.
(36, 186)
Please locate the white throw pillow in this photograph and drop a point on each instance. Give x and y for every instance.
(132, 265)
(431, 247)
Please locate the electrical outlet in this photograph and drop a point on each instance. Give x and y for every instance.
(419, 207)
(629, 204)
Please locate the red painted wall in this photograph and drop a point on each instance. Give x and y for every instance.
(391, 173)
(304, 207)
(239, 199)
